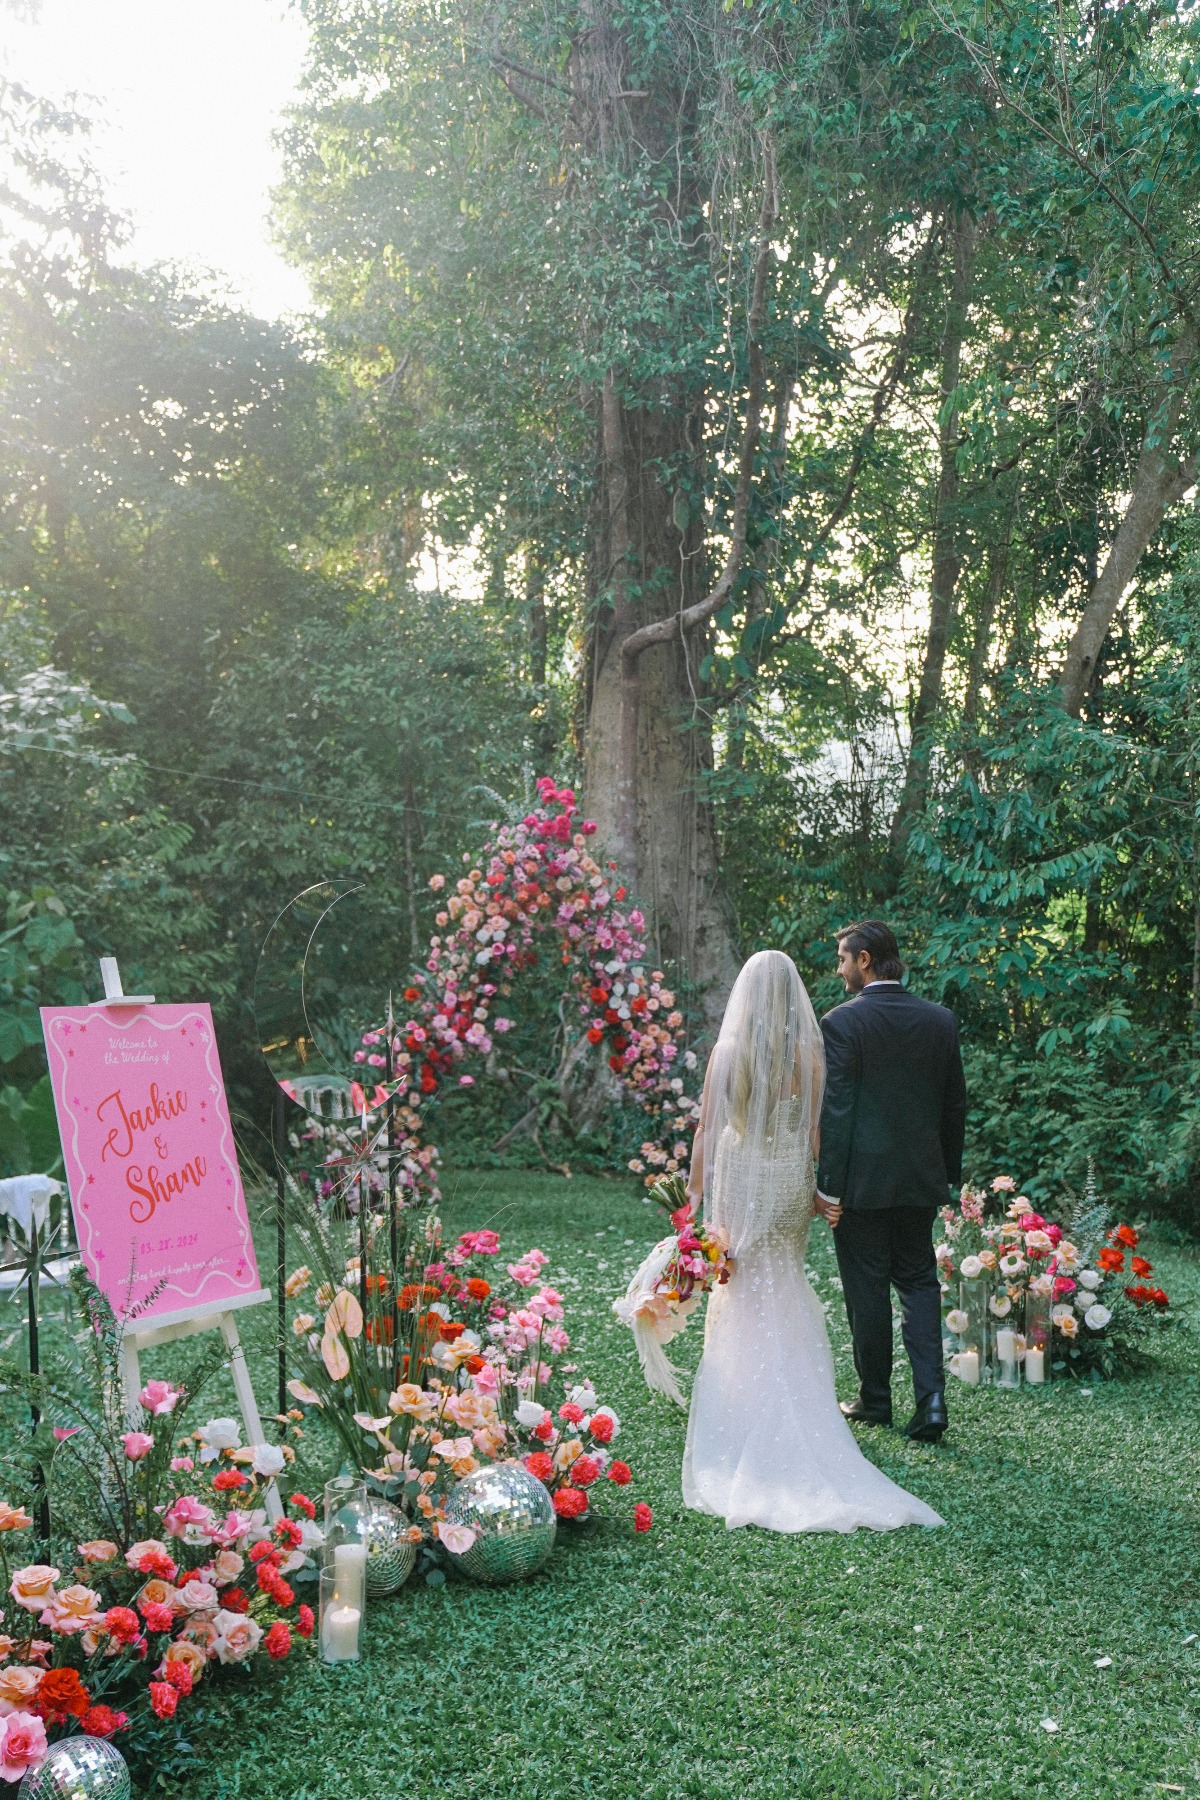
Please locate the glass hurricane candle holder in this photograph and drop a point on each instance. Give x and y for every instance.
(343, 1490)
(1037, 1331)
(1009, 1346)
(340, 1619)
(971, 1359)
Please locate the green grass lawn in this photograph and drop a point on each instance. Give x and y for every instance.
(702, 1662)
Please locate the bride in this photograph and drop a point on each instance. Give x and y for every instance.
(766, 1443)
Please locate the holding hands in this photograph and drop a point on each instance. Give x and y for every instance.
(830, 1210)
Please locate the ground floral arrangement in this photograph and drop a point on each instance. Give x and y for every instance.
(1003, 1259)
(174, 1576)
(535, 878)
(427, 1375)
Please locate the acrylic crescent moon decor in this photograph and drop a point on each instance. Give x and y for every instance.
(157, 1197)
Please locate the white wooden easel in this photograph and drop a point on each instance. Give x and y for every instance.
(210, 1315)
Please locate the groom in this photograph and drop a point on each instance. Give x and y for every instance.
(892, 1129)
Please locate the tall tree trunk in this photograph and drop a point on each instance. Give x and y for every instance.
(947, 546)
(1159, 481)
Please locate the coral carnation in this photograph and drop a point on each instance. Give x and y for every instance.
(305, 1622)
(621, 1473)
(570, 1503)
(541, 1464)
(278, 1640)
(164, 1699)
(102, 1721)
(643, 1518)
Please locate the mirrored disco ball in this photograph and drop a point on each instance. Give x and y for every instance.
(79, 1768)
(510, 1513)
(390, 1557)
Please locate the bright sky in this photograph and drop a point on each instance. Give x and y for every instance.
(186, 94)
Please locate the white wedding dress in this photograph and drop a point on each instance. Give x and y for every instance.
(766, 1443)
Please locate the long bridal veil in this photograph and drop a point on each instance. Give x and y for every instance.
(762, 1098)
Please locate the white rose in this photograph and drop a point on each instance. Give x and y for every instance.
(969, 1267)
(957, 1320)
(268, 1459)
(1089, 1278)
(1096, 1317)
(220, 1434)
(530, 1412)
(585, 1395)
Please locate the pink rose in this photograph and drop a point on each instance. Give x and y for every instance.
(1054, 1233)
(159, 1397)
(182, 1465)
(1063, 1285)
(197, 1596)
(188, 1512)
(23, 1746)
(237, 1637)
(137, 1444)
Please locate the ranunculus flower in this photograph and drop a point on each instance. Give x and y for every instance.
(1000, 1306)
(957, 1320)
(23, 1746)
(970, 1267)
(1096, 1317)
(137, 1444)
(643, 1518)
(61, 1694)
(159, 1398)
(18, 1685)
(33, 1587)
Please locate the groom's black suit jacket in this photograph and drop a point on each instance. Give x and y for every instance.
(894, 1116)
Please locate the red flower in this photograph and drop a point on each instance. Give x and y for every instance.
(381, 1331)
(1159, 1298)
(235, 1600)
(278, 1640)
(643, 1518)
(450, 1331)
(594, 1034)
(1110, 1260)
(288, 1532)
(570, 1412)
(61, 1695)
(544, 1431)
(155, 1562)
(102, 1721)
(303, 1504)
(598, 995)
(263, 1551)
(411, 994)
(1140, 1266)
(305, 1622)
(621, 1473)
(164, 1699)
(539, 1464)
(227, 1479)
(1125, 1234)
(611, 1016)
(478, 1288)
(158, 1617)
(473, 1364)
(180, 1676)
(601, 1428)
(123, 1624)
(616, 1063)
(584, 1470)
(570, 1503)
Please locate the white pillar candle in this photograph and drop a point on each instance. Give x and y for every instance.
(339, 1634)
(1006, 1345)
(1035, 1366)
(968, 1367)
(349, 1574)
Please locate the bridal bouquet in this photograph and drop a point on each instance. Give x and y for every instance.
(670, 1284)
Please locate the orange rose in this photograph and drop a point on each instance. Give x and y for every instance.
(13, 1518)
(185, 1655)
(98, 1550)
(18, 1686)
(33, 1588)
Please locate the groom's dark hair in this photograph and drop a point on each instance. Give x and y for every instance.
(879, 940)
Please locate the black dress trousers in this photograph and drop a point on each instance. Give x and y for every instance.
(876, 1250)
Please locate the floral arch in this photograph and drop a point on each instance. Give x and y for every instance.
(533, 879)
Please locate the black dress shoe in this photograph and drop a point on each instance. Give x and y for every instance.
(858, 1414)
(929, 1421)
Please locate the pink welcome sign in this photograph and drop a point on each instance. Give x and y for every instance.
(151, 1166)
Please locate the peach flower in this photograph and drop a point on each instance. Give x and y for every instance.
(137, 1553)
(414, 1400)
(181, 1652)
(13, 1518)
(73, 1609)
(237, 1636)
(197, 1596)
(227, 1566)
(18, 1686)
(33, 1587)
(98, 1550)
(161, 1592)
